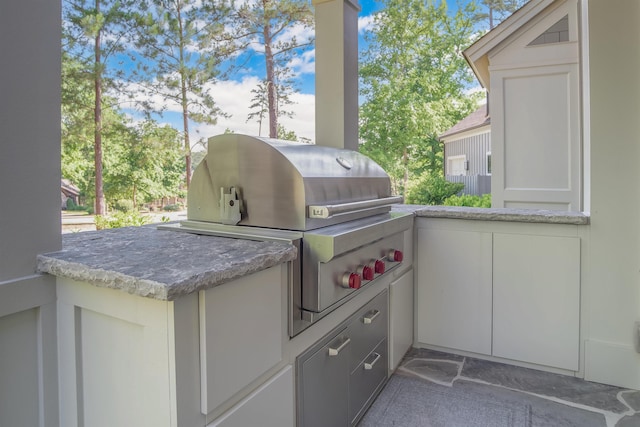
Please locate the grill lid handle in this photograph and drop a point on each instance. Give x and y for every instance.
(328, 211)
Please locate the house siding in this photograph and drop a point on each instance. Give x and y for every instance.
(475, 148)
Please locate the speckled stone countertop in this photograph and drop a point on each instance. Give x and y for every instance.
(512, 215)
(159, 264)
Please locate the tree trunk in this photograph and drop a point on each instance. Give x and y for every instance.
(184, 101)
(490, 18)
(185, 125)
(405, 160)
(100, 206)
(271, 84)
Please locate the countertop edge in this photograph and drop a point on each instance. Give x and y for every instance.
(138, 285)
(101, 278)
(506, 215)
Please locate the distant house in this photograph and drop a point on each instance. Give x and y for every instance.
(68, 191)
(467, 152)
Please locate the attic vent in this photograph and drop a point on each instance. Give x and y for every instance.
(558, 32)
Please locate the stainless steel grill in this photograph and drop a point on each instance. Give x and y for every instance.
(333, 204)
(286, 185)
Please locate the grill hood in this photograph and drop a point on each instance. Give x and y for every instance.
(271, 183)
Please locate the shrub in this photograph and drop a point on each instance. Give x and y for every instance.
(483, 201)
(121, 219)
(173, 208)
(71, 206)
(124, 205)
(432, 190)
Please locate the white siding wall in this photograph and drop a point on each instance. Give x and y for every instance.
(535, 99)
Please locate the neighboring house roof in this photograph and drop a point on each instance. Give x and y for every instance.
(477, 55)
(68, 188)
(475, 120)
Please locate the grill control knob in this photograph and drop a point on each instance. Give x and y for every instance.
(379, 266)
(395, 256)
(351, 280)
(366, 272)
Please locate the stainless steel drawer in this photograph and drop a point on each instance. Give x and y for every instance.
(367, 380)
(367, 328)
(324, 386)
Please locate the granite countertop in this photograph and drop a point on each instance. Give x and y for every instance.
(159, 264)
(502, 214)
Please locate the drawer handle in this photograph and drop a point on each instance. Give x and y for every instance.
(337, 350)
(369, 366)
(369, 318)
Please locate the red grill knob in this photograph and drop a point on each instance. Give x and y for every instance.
(395, 256)
(351, 280)
(366, 272)
(379, 266)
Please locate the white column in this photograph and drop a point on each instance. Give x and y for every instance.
(337, 73)
(30, 209)
(611, 292)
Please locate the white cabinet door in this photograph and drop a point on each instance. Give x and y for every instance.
(454, 289)
(401, 318)
(271, 405)
(536, 286)
(242, 328)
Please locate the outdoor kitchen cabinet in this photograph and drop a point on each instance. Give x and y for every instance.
(500, 289)
(212, 357)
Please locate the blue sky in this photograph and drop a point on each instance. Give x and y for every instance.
(234, 96)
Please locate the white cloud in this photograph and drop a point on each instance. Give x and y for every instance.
(303, 64)
(302, 34)
(234, 98)
(365, 23)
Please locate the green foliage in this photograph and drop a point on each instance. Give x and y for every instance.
(72, 207)
(143, 163)
(431, 190)
(483, 201)
(414, 84)
(287, 135)
(124, 205)
(173, 208)
(121, 219)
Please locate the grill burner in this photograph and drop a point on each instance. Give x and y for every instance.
(333, 205)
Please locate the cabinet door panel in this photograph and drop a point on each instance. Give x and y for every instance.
(401, 318)
(241, 327)
(454, 289)
(536, 311)
(269, 406)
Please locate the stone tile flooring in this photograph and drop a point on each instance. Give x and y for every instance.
(556, 400)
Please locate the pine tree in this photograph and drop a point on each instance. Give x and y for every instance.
(264, 25)
(94, 34)
(181, 45)
(499, 10)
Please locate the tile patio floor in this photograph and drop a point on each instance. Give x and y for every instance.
(555, 400)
